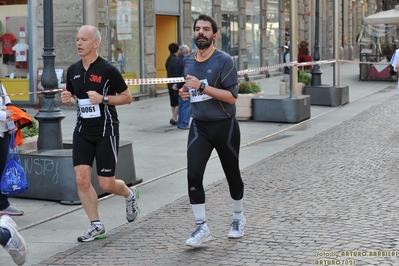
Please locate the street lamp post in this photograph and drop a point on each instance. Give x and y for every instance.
(49, 115)
(316, 72)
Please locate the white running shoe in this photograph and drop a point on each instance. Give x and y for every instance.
(94, 232)
(16, 246)
(200, 235)
(11, 211)
(237, 228)
(132, 206)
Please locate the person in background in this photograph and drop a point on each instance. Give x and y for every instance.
(394, 61)
(287, 58)
(121, 60)
(12, 241)
(211, 85)
(97, 87)
(184, 109)
(170, 72)
(5, 115)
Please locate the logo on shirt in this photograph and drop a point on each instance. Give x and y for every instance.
(76, 77)
(209, 71)
(95, 78)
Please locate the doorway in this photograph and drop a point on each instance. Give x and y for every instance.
(166, 33)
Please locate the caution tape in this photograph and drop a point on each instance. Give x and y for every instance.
(150, 81)
(32, 92)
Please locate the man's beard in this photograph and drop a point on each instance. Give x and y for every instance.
(203, 44)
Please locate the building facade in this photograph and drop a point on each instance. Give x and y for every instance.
(253, 32)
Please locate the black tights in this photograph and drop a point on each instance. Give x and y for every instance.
(224, 136)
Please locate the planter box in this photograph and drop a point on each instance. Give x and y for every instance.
(282, 88)
(300, 88)
(279, 108)
(327, 95)
(51, 176)
(29, 143)
(244, 105)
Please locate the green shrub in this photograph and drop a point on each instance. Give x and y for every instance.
(30, 131)
(304, 77)
(246, 87)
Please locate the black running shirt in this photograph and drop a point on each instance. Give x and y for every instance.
(104, 78)
(218, 71)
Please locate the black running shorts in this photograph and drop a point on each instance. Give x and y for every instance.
(104, 149)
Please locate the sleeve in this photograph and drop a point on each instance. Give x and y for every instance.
(118, 83)
(3, 115)
(229, 76)
(7, 99)
(68, 84)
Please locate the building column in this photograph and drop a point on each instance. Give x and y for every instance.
(90, 12)
(149, 47)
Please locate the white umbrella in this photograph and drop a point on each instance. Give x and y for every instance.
(383, 17)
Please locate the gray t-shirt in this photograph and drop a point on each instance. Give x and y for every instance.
(218, 71)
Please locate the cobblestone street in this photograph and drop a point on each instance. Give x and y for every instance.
(331, 197)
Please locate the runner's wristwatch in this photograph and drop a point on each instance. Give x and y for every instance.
(105, 100)
(202, 87)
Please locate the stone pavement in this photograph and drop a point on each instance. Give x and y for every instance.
(332, 196)
(50, 228)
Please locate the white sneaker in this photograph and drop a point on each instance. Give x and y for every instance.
(237, 228)
(200, 235)
(132, 207)
(94, 232)
(16, 246)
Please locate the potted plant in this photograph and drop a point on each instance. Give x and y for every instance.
(246, 91)
(30, 134)
(304, 79)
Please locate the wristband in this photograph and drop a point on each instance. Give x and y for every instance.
(105, 100)
(202, 87)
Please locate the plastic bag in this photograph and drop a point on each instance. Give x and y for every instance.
(13, 179)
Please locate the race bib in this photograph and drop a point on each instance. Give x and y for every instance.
(196, 96)
(87, 109)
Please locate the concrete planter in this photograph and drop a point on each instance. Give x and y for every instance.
(29, 143)
(244, 105)
(300, 88)
(282, 88)
(51, 176)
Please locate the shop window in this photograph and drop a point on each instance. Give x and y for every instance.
(125, 38)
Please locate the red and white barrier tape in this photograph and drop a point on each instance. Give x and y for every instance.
(32, 92)
(149, 81)
(153, 81)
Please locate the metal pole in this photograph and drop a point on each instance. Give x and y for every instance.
(316, 72)
(336, 44)
(49, 115)
(293, 49)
